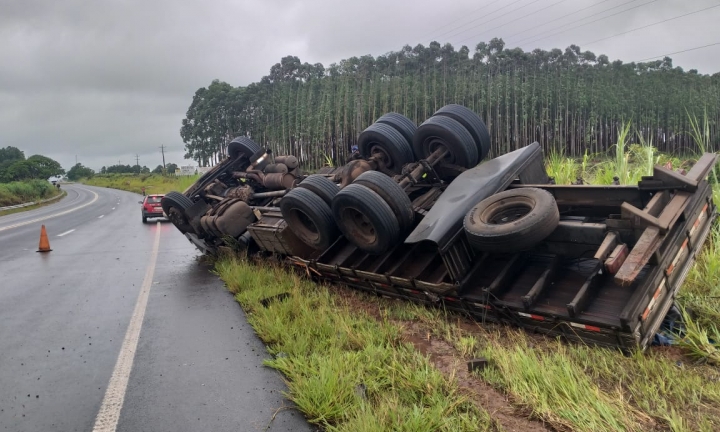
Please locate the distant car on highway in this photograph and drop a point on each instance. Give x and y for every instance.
(151, 207)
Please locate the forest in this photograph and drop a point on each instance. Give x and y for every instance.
(572, 102)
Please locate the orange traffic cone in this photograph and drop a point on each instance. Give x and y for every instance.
(44, 242)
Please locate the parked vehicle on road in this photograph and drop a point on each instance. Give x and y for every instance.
(417, 215)
(151, 207)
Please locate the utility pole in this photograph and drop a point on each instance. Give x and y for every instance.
(137, 159)
(162, 149)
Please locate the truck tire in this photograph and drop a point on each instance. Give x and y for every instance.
(383, 139)
(402, 124)
(392, 194)
(365, 219)
(441, 131)
(321, 186)
(309, 217)
(174, 205)
(511, 221)
(242, 146)
(473, 123)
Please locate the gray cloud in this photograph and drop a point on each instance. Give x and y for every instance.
(105, 80)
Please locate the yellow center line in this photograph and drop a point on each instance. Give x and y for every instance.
(52, 215)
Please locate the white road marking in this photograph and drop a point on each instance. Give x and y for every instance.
(66, 233)
(100, 217)
(113, 208)
(52, 215)
(109, 414)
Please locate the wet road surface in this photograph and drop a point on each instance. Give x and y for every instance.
(64, 315)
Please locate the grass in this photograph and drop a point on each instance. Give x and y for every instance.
(32, 207)
(345, 370)
(26, 191)
(153, 183)
(350, 371)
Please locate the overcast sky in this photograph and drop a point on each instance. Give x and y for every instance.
(106, 80)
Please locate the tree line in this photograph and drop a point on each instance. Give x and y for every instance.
(15, 167)
(571, 101)
(137, 169)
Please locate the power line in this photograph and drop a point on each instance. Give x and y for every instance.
(462, 19)
(477, 19)
(678, 52)
(497, 17)
(591, 22)
(564, 16)
(650, 25)
(511, 21)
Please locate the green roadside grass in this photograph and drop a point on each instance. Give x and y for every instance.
(26, 191)
(153, 183)
(348, 370)
(32, 207)
(345, 370)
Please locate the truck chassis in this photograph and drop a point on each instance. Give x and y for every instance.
(606, 273)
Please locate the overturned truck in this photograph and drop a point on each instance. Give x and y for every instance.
(415, 215)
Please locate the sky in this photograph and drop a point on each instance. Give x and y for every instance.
(103, 82)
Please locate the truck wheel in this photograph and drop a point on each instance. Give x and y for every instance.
(472, 122)
(402, 124)
(321, 186)
(383, 140)
(309, 217)
(512, 221)
(392, 194)
(174, 205)
(365, 219)
(441, 131)
(242, 146)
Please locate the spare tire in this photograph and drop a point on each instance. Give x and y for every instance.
(309, 217)
(473, 123)
(365, 219)
(321, 186)
(174, 205)
(392, 194)
(384, 140)
(401, 124)
(441, 131)
(512, 221)
(242, 145)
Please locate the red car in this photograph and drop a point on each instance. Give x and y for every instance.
(151, 207)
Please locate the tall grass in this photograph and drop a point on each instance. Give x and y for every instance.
(700, 133)
(563, 169)
(153, 183)
(26, 191)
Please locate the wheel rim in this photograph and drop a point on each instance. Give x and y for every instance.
(359, 226)
(304, 225)
(377, 150)
(431, 144)
(178, 218)
(505, 212)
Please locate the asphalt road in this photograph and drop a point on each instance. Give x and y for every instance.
(67, 319)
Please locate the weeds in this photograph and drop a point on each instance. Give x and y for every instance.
(25, 191)
(344, 369)
(153, 183)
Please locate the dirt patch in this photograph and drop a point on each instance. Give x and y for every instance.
(446, 359)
